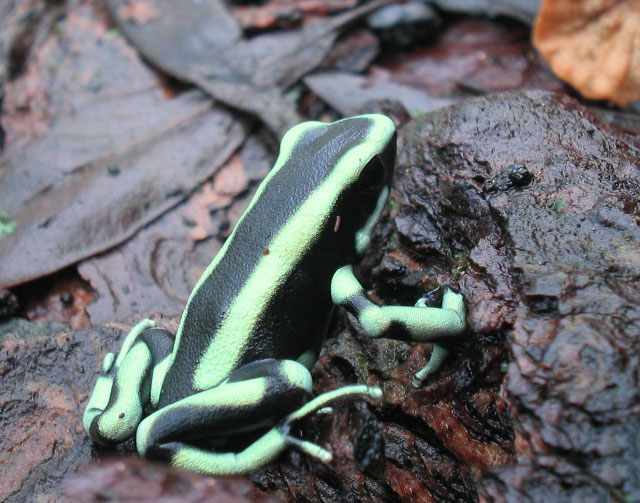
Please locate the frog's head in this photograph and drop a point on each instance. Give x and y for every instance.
(348, 166)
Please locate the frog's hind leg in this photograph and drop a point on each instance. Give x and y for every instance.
(268, 446)
(254, 397)
(127, 384)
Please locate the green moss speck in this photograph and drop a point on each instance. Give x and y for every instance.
(461, 263)
(58, 28)
(394, 240)
(112, 34)
(7, 226)
(622, 496)
(558, 205)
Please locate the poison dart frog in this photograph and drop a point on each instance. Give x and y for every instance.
(256, 320)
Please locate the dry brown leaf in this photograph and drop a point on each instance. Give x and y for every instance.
(141, 12)
(594, 45)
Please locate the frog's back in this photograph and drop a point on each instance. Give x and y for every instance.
(267, 292)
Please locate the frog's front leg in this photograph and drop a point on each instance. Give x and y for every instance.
(417, 323)
(127, 384)
(264, 394)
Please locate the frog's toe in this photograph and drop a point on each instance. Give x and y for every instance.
(376, 393)
(309, 448)
(438, 356)
(432, 298)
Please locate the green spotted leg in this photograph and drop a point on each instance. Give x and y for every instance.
(127, 384)
(254, 397)
(417, 323)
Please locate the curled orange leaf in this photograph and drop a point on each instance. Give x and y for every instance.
(594, 45)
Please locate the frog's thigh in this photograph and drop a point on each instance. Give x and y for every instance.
(403, 322)
(127, 384)
(254, 396)
(187, 457)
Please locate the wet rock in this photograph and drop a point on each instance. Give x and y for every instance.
(421, 444)
(8, 304)
(131, 480)
(47, 371)
(404, 24)
(473, 56)
(522, 10)
(51, 370)
(516, 175)
(554, 265)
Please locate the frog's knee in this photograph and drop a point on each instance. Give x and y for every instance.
(373, 321)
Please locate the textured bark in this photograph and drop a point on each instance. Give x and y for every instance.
(555, 265)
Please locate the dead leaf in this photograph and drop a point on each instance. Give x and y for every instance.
(58, 298)
(140, 12)
(152, 273)
(199, 42)
(347, 93)
(474, 56)
(117, 155)
(285, 13)
(155, 271)
(594, 45)
(353, 52)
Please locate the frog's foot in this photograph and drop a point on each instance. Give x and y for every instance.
(124, 387)
(439, 353)
(416, 323)
(420, 323)
(433, 297)
(319, 405)
(321, 401)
